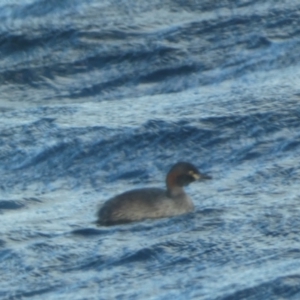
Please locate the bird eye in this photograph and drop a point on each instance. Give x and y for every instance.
(194, 175)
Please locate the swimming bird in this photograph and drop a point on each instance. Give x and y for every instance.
(151, 203)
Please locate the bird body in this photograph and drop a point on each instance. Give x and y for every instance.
(152, 203)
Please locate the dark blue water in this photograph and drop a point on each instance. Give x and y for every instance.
(98, 97)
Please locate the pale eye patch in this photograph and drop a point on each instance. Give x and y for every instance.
(193, 174)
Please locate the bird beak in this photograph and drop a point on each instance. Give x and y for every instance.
(199, 176)
(202, 176)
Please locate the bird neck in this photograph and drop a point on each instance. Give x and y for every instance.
(175, 190)
(172, 185)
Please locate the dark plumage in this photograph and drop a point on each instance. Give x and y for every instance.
(150, 203)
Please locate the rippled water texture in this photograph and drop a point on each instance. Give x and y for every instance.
(98, 97)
